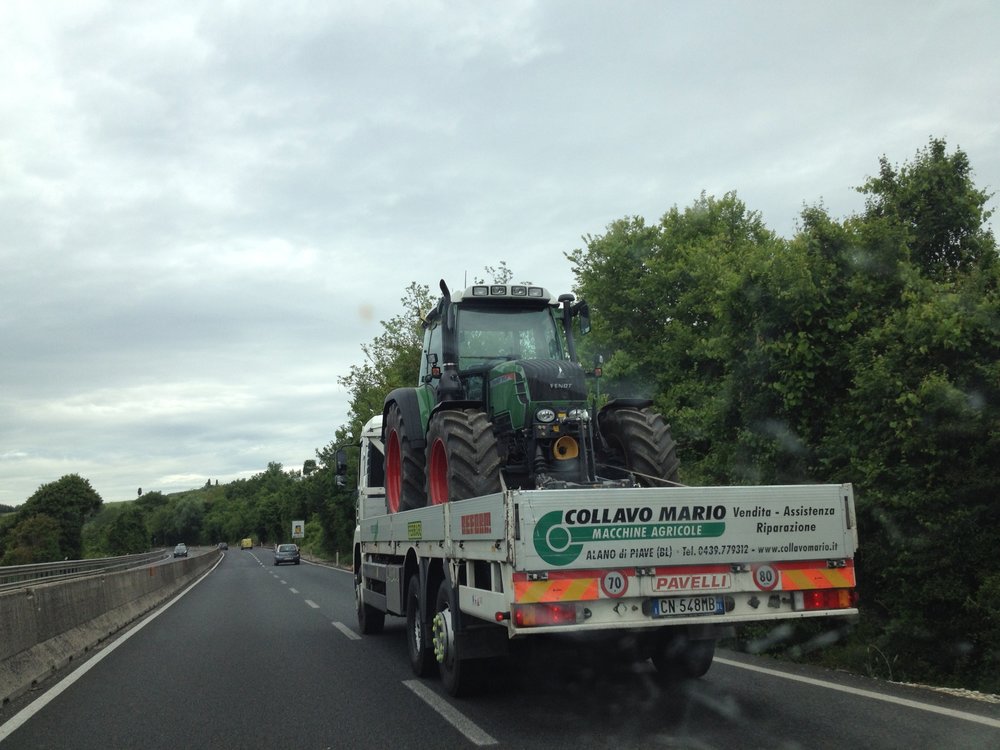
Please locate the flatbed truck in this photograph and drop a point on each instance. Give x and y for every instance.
(672, 568)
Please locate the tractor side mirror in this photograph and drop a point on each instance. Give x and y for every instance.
(582, 310)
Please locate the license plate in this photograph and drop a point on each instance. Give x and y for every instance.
(688, 605)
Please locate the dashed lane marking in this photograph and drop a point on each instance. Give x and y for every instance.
(452, 715)
(346, 631)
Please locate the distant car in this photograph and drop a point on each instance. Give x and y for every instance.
(286, 553)
(223, 545)
(181, 550)
(246, 544)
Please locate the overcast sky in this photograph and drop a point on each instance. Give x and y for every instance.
(207, 207)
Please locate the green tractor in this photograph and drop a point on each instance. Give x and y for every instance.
(501, 402)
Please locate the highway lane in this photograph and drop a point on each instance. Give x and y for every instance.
(262, 656)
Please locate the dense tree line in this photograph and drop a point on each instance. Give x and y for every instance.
(865, 350)
(66, 519)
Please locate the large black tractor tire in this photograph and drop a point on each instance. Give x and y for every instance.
(462, 458)
(404, 464)
(638, 441)
(418, 632)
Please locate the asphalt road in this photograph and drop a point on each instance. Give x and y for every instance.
(255, 656)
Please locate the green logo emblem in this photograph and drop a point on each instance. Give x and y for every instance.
(559, 543)
(553, 541)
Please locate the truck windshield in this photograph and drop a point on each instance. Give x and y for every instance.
(490, 333)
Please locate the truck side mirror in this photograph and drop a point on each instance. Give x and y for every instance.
(341, 462)
(582, 310)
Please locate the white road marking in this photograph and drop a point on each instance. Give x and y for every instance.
(929, 707)
(37, 705)
(346, 631)
(312, 604)
(284, 583)
(294, 591)
(452, 715)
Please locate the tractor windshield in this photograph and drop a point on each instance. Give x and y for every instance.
(489, 333)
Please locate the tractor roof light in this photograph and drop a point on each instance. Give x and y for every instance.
(480, 291)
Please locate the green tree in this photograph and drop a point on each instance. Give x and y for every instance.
(126, 535)
(933, 199)
(35, 539)
(71, 501)
(661, 298)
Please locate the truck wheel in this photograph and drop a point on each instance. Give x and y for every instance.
(417, 631)
(404, 464)
(639, 441)
(462, 456)
(459, 676)
(370, 620)
(677, 657)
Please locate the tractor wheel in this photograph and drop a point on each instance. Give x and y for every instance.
(404, 464)
(639, 441)
(462, 458)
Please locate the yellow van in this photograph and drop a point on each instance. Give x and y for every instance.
(246, 544)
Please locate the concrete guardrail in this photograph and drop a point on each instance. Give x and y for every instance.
(45, 626)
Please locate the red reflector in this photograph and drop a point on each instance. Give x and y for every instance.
(828, 599)
(531, 615)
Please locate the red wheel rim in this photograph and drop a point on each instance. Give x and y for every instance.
(393, 472)
(438, 474)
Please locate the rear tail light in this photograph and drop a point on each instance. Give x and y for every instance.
(548, 613)
(825, 599)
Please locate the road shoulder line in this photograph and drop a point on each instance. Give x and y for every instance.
(929, 707)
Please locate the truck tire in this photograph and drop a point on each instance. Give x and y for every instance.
(404, 464)
(677, 657)
(462, 458)
(459, 676)
(638, 441)
(418, 640)
(370, 620)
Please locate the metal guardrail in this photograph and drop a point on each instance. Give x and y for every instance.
(18, 576)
